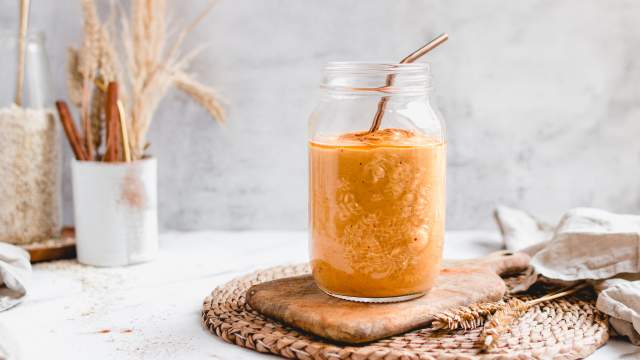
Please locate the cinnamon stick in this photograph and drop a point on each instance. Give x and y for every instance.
(70, 130)
(113, 123)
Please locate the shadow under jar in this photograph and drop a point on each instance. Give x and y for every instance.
(376, 198)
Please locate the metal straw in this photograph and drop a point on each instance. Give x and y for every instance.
(382, 104)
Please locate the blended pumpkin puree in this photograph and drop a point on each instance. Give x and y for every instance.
(377, 209)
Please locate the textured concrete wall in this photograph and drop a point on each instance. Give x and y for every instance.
(541, 100)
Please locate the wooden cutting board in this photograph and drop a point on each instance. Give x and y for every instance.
(60, 248)
(298, 302)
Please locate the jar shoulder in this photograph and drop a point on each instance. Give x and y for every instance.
(335, 116)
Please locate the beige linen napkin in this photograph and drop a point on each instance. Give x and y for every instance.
(15, 271)
(587, 244)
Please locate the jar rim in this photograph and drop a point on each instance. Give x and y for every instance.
(376, 66)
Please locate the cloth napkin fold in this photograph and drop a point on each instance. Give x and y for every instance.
(587, 244)
(15, 272)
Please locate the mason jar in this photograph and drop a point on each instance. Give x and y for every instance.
(30, 147)
(377, 161)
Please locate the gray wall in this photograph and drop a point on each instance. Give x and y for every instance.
(541, 98)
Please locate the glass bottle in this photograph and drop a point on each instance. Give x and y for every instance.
(30, 148)
(376, 196)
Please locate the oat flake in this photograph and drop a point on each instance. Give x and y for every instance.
(30, 198)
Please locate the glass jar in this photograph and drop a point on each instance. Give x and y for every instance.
(376, 196)
(30, 148)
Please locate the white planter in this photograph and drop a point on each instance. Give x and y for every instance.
(116, 212)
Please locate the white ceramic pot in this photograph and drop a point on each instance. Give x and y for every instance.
(116, 212)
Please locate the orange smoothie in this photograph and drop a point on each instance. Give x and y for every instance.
(377, 204)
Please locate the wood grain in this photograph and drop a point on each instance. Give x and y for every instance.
(63, 248)
(297, 301)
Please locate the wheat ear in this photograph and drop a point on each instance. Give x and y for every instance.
(204, 95)
(96, 116)
(473, 316)
(74, 77)
(466, 317)
(503, 318)
(500, 321)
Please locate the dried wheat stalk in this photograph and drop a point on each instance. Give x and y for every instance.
(96, 116)
(74, 78)
(476, 315)
(500, 322)
(466, 317)
(108, 62)
(202, 94)
(87, 67)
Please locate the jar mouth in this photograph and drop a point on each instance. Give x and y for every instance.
(376, 67)
(12, 35)
(377, 77)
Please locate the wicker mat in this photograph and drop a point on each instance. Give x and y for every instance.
(569, 328)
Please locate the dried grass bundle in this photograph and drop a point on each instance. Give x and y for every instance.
(143, 61)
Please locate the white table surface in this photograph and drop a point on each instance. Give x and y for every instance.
(152, 311)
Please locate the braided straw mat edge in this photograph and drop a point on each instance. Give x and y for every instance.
(561, 329)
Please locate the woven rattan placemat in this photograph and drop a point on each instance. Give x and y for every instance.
(568, 328)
